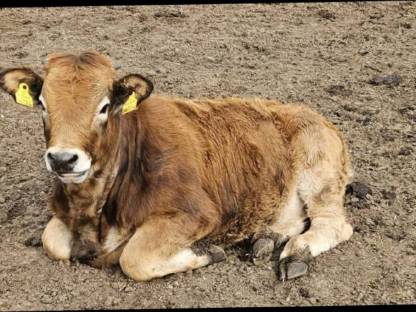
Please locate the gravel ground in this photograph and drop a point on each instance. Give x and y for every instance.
(353, 62)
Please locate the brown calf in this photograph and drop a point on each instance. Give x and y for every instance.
(143, 188)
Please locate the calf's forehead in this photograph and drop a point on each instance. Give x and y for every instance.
(73, 79)
(81, 94)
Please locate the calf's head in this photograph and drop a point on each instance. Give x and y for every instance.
(81, 103)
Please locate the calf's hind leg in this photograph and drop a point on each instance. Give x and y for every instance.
(162, 246)
(291, 221)
(323, 194)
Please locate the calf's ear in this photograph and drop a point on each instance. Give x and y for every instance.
(129, 91)
(23, 84)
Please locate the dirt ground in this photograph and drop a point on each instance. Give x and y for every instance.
(331, 56)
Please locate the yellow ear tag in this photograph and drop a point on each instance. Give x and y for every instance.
(23, 96)
(130, 104)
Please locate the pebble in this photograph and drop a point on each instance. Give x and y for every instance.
(2, 200)
(391, 80)
(404, 151)
(370, 222)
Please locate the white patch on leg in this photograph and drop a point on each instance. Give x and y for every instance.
(113, 240)
(291, 219)
(57, 240)
(185, 260)
(149, 268)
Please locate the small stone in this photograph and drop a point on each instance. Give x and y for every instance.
(313, 300)
(406, 25)
(404, 151)
(129, 289)
(2, 200)
(391, 80)
(369, 222)
(46, 299)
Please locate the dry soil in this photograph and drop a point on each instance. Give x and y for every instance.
(333, 57)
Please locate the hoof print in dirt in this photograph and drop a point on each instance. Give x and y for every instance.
(325, 14)
(358, 189)
(33, 241)
(389, 195)
(392, 80)
(262, 250)
(338, 90)
(217, 254)
(293, 266)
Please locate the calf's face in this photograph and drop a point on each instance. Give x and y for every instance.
(81, 104)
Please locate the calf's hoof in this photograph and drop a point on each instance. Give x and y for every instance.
(294, 266)
(216, 254)
(289, 269)
(262, 250)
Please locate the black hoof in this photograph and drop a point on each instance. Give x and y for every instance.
(217, 254)
(262, 250)
(291, 269)
(293, 266)
(262, 242)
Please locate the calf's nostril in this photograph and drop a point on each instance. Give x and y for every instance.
(50, 156)
(73, 159)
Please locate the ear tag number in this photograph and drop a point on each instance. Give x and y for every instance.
(130, 104)
(23, 96)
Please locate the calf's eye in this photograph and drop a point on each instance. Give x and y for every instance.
(40, 104)
(104, 109)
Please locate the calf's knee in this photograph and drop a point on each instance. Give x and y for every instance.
(57, 240)
(134, 267)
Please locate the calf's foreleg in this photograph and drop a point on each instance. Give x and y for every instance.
(57, 239)
(162, 246)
